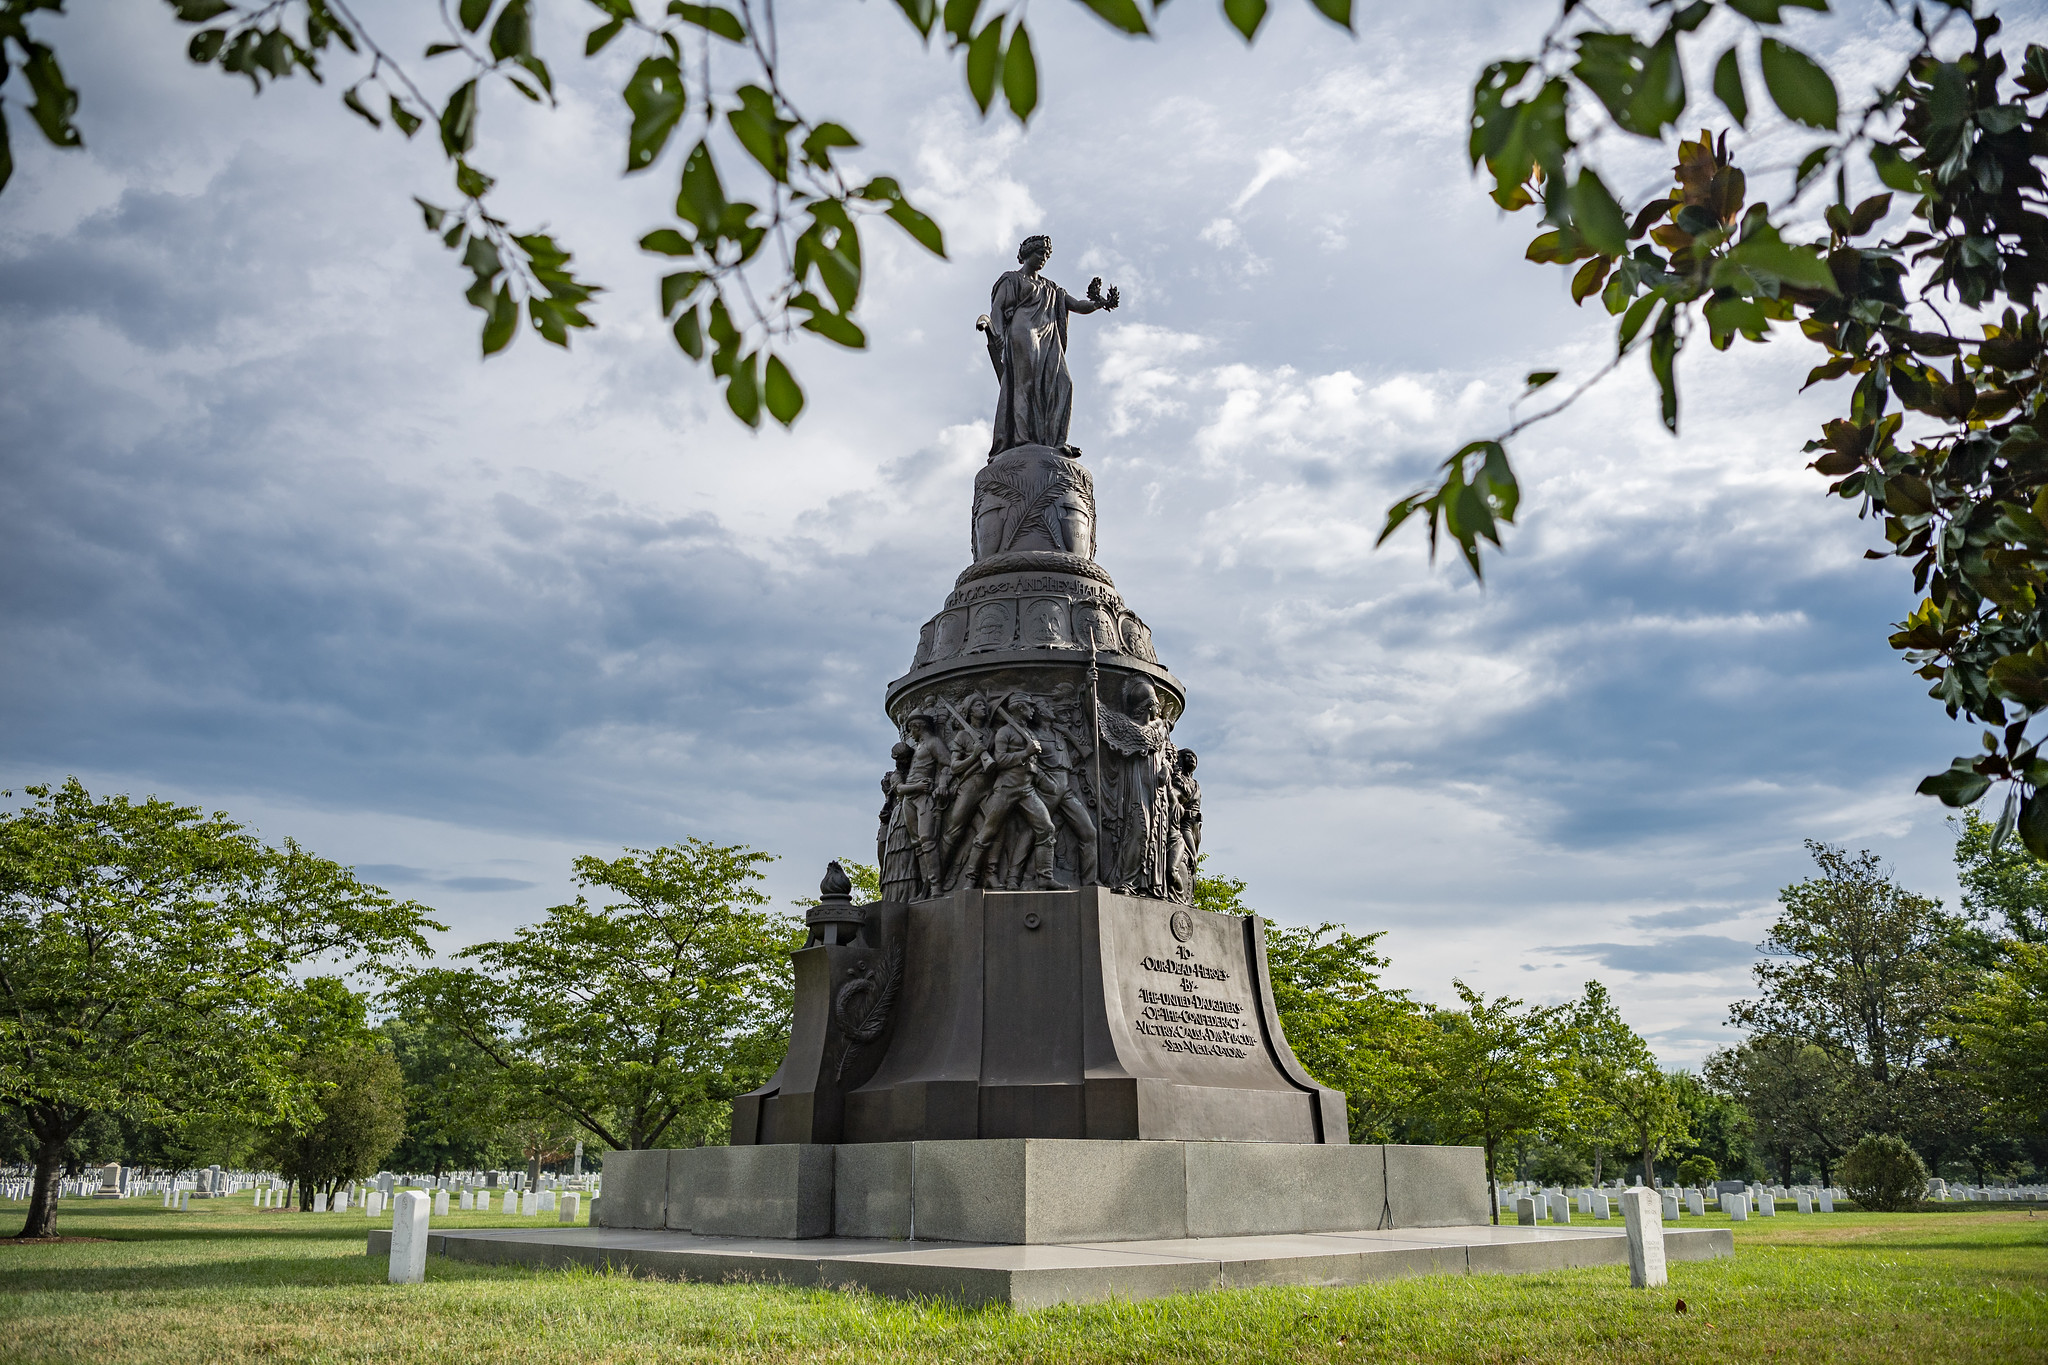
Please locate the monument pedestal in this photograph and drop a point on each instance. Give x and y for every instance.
(1040, 1191)
(1036, 1014)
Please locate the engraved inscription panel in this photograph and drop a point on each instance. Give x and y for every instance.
(1187, 1002)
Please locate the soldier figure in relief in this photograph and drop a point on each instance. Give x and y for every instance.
(1059, 786)
(1187, 800)
(919, 789)
(1015, 760)
(969, 774)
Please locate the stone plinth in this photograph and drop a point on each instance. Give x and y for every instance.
(1042, 1014)
(1027, 1192)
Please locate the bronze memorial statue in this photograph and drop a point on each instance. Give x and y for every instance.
(1035, 967)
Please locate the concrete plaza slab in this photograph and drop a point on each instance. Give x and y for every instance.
(1040, 1275)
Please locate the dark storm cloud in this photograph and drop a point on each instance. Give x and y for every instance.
(1680, 955)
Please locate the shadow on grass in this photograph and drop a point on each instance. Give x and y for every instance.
(270, 1272)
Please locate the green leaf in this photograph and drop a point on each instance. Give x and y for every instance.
(1123, 14)
(676, 289)
(1245, 16)
(1020, 75)
(784, 397)
(458, 120)
(743, 390)
(1663, 364)
(959, 20)
(835, 327)
(655, 95)
(1589, 278)
(408, 122)
(601, 35)
(921, 14)
(1960, 785)
(512, 35)
(921, 229)
(1538, 378)
(503, 323)
(1768, 11)
(984, 56)
(206, 45)
(1598, 218)
(1763, 252)
(472, 13)
(1893, 169)
(1632, 322)
(6, 152)
(1336, 11)
(1799, 87)
(820, 141)
(55, 101)
(700, 199)
(349, 98)
(1868, 213)
(711, 19)
(689, 330)
(2033, 823)
(472, 182)
(668, 242)
(1728, 88)
(762, 131)
(196, 11)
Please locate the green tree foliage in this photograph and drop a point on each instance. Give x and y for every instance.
(1720, 1130)
(1866, 971)
(1484, 1074)
(357, 1118)
(1351, 1032)
(1883, 1173)
(1697, 1171)
(455, 1115)
(1802, 1101)
(1646, 1104)
(1933, 320)
(2002, 882)
(1596, 1050)
(638, 1020)
(766, 236)
(147, 960)
(2004, 1030)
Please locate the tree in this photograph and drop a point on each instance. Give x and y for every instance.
(1697, 1171)
(1883, 1173)
(455, 1113)
(1646, 1104)
(358, 1116)
(1720, 1130)
(1959, 132)
(2001, 880)
(1597, 1049)
(147, 958)
(2004, 1030)
(1352, 1033)
(1863, 969)
(1803, 1101)
(1484, 1074)
(748, 276)
(637, 1020)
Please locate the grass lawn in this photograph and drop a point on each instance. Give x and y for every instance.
(227, 1283)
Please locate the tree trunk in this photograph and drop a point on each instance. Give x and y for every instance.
(42, 1205)
(1492, 1183)
(1649, 1165)
(1599, 1154)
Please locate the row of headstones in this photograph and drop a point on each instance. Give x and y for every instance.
(458, 1181)
(1556, 1205)
(529, 1203)
(1990, 1194)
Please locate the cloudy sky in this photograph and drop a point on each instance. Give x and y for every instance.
(276, 541)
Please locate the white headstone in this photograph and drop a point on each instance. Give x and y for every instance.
(468, 1201)
(373, 1203)
(571, 1207)
(340, 1204)
(1600, 1205)
(440, 1204)
(1641, 1212)
(320, 1201)
(1827, 1201)
(529, 1204)
(408, 1236)
(1560, 1209)
(511, 1201)
(1736, 1206)
(1806, 1201)
(1670, 1203)
(1525, 1211)
(1766, 1206)
(1697, 1202)
(547, 1201)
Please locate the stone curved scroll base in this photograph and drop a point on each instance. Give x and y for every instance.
(1049, 1014)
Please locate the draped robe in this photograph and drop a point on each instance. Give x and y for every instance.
(1027, 342)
